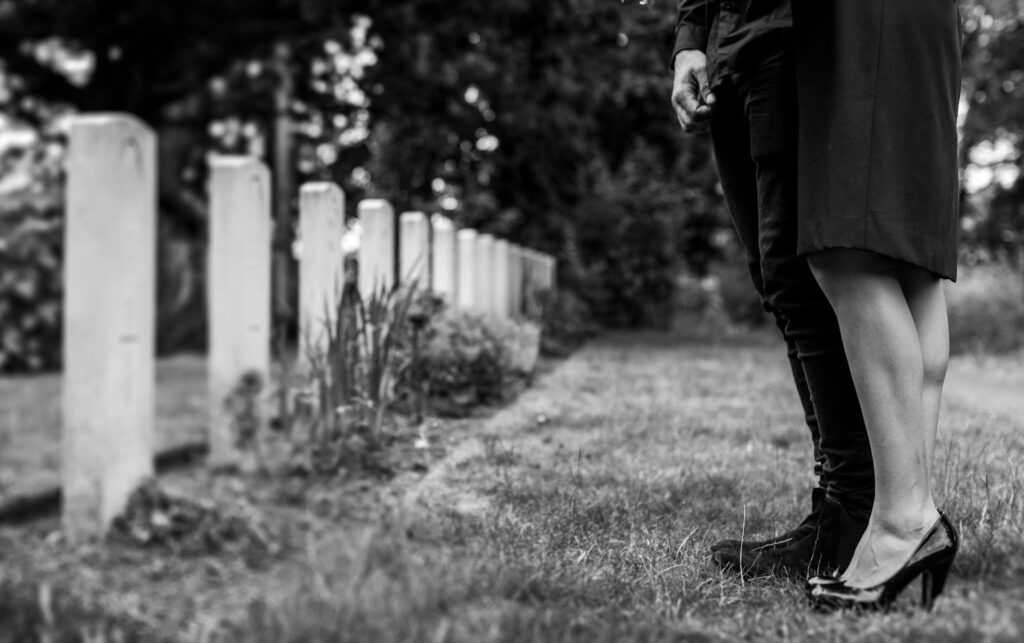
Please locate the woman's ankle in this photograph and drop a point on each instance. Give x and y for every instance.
(907, 522)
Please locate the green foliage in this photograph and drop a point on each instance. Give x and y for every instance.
(467, 360)
(993, 95)
(986, 309)
(31, 287)
(590, 164)
(740, 300)
(157, 518)
(640, 227)
(567, 322)
(523, 107)
(351, 383)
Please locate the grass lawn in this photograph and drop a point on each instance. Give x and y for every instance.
(582, 512)
(30, 422)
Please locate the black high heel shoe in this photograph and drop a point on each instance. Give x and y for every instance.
(931, 561)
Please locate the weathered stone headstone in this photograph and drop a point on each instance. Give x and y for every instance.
(238, 295)
(321, 264)
(377, 247)
(531, 282)
(444, 270)
(550, 272)
(414, 249)
(515, 267)
(485, 273)
(501, 278)
(465, 290)
(109, 316)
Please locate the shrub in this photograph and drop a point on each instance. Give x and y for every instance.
(698, 307)
(740, 300)
(986, 309)
(31, 287)
(566, 322)
(467, 360)
(351, 384)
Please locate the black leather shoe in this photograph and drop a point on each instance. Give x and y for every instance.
(931, 560)
(818, 548)
(809, 525)
(848, 520)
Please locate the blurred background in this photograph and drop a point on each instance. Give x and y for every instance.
(546, 122)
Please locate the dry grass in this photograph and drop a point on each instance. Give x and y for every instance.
(583, 513)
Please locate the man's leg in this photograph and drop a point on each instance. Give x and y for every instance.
(738, 174)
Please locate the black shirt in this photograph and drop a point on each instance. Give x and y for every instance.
(737, 35)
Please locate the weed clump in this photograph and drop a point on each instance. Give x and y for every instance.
(155, 517)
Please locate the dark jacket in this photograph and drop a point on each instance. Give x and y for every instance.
(736, 35)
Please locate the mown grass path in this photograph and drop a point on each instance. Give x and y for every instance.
(583, 512)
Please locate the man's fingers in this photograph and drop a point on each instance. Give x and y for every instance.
(703, 89)
(691, 113)
(682, 116)
(688, 99)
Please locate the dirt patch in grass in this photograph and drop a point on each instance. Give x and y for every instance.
(582, 512)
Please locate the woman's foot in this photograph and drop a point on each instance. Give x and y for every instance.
(886, 547)
(930, 561)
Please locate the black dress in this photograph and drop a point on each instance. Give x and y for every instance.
(879, 86)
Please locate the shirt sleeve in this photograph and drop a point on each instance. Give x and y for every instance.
(691, 25)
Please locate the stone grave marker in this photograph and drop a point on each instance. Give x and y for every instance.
(377, 248)
(238, 295)
(444, 270)
(321, 264)
(414, 249)
(485, 274)
(501, 278)
(109, 317)
(466, 288)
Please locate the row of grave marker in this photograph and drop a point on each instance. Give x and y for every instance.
(108, 440)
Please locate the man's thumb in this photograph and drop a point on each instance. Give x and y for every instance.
(702, 83)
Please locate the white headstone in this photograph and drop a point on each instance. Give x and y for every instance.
(531, 281)
(238, 294)
(377, 247)
(466, 288)
(501, 278)
(444, 258)
(109, 318)
(515, 267)
(485, 274)
(414, 249)
(550, 267)
(321, 264)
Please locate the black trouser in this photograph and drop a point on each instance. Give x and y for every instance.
(754, 130)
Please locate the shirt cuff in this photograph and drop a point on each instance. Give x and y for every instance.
(688, 37)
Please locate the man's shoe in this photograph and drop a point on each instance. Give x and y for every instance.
(827, 547)
(809, 525)
(802, 557)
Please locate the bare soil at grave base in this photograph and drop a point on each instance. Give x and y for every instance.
(581, 512)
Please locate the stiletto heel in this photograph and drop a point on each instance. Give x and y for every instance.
(927, 595)
(933, 581)
(931, 560)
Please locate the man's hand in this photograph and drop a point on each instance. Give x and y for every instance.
(691, 97)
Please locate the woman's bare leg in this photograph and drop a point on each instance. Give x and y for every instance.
(886, 361)
(927, 303)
